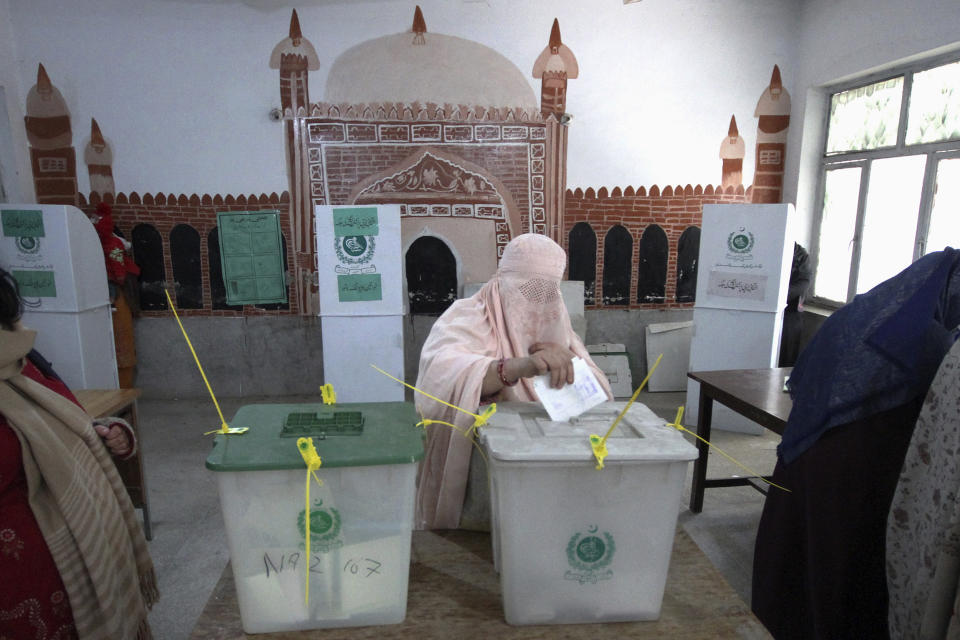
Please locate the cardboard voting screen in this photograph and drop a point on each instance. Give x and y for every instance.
(251, 255)
(54, 254)
(745, 256)
(359, 260)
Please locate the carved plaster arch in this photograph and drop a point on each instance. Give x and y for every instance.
(432, 175)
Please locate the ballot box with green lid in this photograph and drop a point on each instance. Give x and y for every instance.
(573, 543)
(360, 519)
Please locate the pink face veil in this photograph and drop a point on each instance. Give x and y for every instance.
(529, 283)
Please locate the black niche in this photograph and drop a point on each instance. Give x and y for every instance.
(431, 276)
(652, 265)
(582, 249)
(688, 252)
(617, 258)
(148, 254)
(187, 272)
(218, 290)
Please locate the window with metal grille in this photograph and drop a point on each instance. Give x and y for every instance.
(889, 189)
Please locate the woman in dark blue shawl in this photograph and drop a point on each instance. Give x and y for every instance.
(857, 389)
(875, 353)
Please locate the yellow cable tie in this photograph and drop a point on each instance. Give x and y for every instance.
(328, 394)
(312, 459)
(482, 419)
(410, 386)
(676, 424)
(425, 422)
(224, 427)
(599, 445)
(479, 420)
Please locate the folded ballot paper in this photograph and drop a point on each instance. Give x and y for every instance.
(573, 399)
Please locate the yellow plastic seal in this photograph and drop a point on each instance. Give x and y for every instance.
(481, 419)
(328, 394)
(598, 444)
(312, 459)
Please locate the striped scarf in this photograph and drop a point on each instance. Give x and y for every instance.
(80, 504)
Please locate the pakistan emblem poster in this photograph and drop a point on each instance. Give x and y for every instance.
(358, 260)
(745, 254)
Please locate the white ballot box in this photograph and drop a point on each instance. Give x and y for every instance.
(361, 517)
(574, 544)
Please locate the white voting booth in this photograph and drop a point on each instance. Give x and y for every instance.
(360, 273)
(743, 271)
(55, 255)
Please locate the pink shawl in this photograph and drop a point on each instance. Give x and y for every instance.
(519, 306)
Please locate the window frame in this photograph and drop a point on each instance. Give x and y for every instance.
(934, 152)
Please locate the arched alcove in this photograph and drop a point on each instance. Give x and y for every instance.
(688, 250)
(187, 272)
(582, 251)
(652, 265)
(431, 270)
(148, 254)
(617, 259)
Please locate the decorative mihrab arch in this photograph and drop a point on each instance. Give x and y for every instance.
(434, 183)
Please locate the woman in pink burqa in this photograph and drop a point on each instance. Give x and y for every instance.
(486, 348)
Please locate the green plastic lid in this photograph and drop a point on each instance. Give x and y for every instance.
(345, 435)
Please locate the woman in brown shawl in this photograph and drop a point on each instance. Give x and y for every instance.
(73, 560)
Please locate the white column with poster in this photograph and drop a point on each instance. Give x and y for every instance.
(742, 277)
(56, 258)
(360, 272)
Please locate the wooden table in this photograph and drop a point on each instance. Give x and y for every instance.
(455, 593)
(756, 394)
(122, 403)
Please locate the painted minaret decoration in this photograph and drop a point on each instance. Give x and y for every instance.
(554, 66)
(52, 156)
(99, 160)
(295, 57)
(732, 150)
(773, 114)
(419, 27)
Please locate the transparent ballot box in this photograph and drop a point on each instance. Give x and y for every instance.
(360, 519)
(577, 544)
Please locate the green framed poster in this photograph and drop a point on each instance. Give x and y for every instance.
(251, 256)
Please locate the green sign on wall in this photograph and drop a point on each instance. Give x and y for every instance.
(22, 223)
(355, 221)
(251, 255)
(35, 284)
(359, 287)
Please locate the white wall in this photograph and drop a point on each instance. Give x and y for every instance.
(14, 157)
(182, 88)
(841, 39)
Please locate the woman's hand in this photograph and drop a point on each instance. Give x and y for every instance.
(115, 438)
(555, 359)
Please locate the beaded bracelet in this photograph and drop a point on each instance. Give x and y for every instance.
(500, 375)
